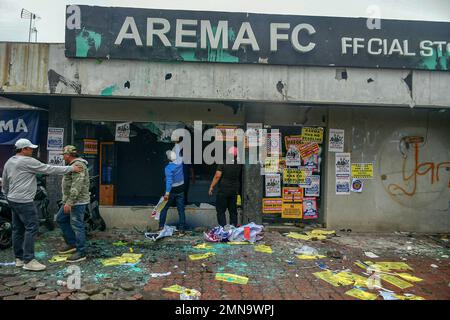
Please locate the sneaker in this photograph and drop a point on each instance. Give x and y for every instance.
(76, 257)
(34, 265)
(19, 263)
(67, 249)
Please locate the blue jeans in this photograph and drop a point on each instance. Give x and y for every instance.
(178, 198)
(73, 227)
(25, 227)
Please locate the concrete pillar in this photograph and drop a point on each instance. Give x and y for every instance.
(59, 117)
(252, 188)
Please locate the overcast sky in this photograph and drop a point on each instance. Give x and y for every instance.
(52, 12)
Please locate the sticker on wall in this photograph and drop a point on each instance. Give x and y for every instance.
(55, 158)
(311, 163)
(357, 185)
(308, 149)
(90, 146)
(295, 140)
(253, 134)
(293, 176)
(292, 210)
(55, 138)
(310, 208)
(362, 170)
(292, 194)
(293, 156)
(271, 165)
(336, 140)
(342, 186)
(312, 134)
(342, 164)
(314, 188)
(274, 143)
(272, 205)
(273, 185)
(123, 132)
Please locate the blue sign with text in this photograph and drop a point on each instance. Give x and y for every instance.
(17, 124)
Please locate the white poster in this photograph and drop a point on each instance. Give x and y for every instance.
(357, 185)
(273, 185)
(274, 143)
(55, 158)
(293, 156)
(342, 185)
(123, 132)
(336, 140)
(314, 189)
(342, 163)
(55, 138)
(254, 134)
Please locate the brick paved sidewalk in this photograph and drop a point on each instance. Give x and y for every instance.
(279, 275)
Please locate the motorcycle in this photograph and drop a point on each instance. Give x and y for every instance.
(92, 218)
(41, 201)
(5, 222)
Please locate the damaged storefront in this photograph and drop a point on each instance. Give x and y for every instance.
(352, 120)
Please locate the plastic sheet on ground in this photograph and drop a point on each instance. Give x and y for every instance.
(181, 290)
(123, 259)
(201, 256)
(322, 232)
(232, 234)
(306, 250)
(409, 277)
(263, 248)
(6, 264)
(360, 294)
(233, 278)
(159, 275)
(343, 278)
(309, 257)
(306, 237)
(388, 266)
(388, 295)
(408, 297)
(166, 232)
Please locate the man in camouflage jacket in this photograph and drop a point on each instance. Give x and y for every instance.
(76, 197)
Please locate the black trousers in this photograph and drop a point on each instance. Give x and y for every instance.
(224, 202)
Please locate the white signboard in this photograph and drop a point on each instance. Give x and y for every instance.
(123, 132)
(336, 140)
(273, 185)
(342, 186)
(55, 138)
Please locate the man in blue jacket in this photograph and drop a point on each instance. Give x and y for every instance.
(174, 190)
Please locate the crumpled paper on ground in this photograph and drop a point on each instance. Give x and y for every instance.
(232, 234)
(166, 232)
(123, 259)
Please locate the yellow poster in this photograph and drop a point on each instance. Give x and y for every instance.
(292, 210)
(271, 165)
(294, 176)
(233, 278)
(263, 248)
(272, 205)
(200, 256)
(362, 170)
(312, 134)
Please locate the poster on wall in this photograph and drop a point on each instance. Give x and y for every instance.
(55, 158)
(293, 176)
(342, 164)
(310, 208)
(342, 186)
(357, 185)
(312, 134)
(295, 140)
(274, 143)
(311, 163)
(226, 133)
(336, 140)
(272, 205)
(90, 146)
(362, 170)
(292, 194)
(292, 210)
(123, 132)
(55, 138)
(273, 185)
(253, 134)
(313, 190)
(293, 156)
(308, 149)
(271, 165)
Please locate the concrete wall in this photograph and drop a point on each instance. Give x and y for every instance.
(43, 68)
(373, 135)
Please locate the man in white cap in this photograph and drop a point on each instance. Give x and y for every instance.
(19, 186)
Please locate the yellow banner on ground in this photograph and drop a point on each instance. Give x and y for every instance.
(308, 257)
(399, 283)
(233, 278)
(360, 294)
(124, 258)
(263, 248)
(200, 256)
(204, 246)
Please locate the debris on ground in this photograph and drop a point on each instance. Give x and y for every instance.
(233, 278)
(166, 232)
(201, 256)
(123, 259)
(371, 255)
(263, 248)
(250, 232)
